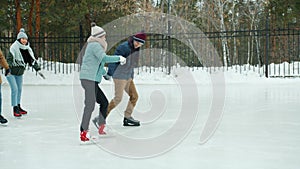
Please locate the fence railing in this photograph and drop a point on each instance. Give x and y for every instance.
(247, 47)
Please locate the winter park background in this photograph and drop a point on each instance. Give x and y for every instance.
(259, 127)
(199, 116)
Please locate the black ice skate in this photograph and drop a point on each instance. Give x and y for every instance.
(130, 121)
(16, 111)
(22, 111)
(3, 121)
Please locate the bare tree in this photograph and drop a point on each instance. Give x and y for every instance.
(37, 18)
(251, 11)
(215, 12)
(30, 18)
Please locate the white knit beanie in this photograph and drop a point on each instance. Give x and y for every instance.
(22, 34)
(97, 31)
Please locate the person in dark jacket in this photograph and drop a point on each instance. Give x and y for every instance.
(123, 76)
(20, 54)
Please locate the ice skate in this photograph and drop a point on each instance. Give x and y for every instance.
(22, 111)
(84, 136)
(16, 112)
(130, 121)
(105, 131)
(3, 121)
(86, 139)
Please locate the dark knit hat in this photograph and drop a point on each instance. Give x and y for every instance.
(140, 37)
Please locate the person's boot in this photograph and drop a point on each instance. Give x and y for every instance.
(83, 136)
(101, 129)
(22, 111)
(105, 131)
(3, 121)
(130, 121)
(16, 111)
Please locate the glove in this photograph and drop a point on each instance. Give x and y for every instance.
(41, 74)
(107, 77)
(7, 72)
(122, 60)
(36, 67)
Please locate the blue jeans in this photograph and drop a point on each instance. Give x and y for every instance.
(15, 83)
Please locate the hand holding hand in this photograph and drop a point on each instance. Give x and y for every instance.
(122, 60)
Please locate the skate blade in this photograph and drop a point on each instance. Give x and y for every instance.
(131, 125)
(4, 124)
(93, 140)
(82, 143)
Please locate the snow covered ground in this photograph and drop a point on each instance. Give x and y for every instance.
(258, 125)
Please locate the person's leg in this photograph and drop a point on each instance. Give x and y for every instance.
(89, 103)
(19, 83)
(119, 88)
(2, 119)
(100, 120)
(103, 102)
(0, 100)
(14, 94)
(133, 98)
(13, 89)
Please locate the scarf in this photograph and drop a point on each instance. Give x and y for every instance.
(101, 40)
(17, 56)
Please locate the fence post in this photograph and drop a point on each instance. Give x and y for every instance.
(169, 39)
(267, 47)
(81, 36)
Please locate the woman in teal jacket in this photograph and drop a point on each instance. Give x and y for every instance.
(92, 70)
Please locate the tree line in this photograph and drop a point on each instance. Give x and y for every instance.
(62, 17)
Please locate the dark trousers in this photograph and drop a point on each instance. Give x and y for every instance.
(93, 94)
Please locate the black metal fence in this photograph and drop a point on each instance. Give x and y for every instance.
(263, 49)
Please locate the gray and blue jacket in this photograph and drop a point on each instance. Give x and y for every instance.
(126, 71)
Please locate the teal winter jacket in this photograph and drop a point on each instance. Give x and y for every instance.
(93, 62)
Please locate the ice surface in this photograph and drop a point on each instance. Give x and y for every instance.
(259, 127)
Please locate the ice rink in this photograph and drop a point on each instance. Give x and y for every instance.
(259, 129)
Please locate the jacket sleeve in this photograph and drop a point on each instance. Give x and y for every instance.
(111, 68)
(111, 58)
(121, 50)
(3, 61)
(10, 57)
(34, 62)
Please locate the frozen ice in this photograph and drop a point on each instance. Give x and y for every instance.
(259, 127)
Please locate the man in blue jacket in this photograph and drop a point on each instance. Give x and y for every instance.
(123, 76)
